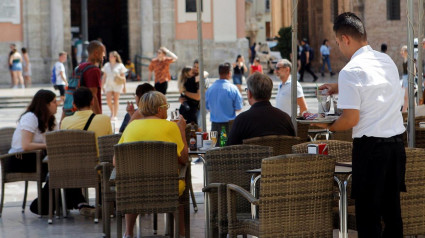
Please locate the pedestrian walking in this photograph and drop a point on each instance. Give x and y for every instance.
(190, 95)
(370, 96)
(15, 61)
(26, 67)
(239, 69)
(404, 77)
(306, 57)
(114, 82)
(12, 47)
(60, 81)
(326, 60)
(161, 68)
(256, 67)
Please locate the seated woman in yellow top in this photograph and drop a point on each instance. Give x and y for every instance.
(154, 127)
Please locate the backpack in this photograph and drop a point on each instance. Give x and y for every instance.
(53, 76)
(73, 83)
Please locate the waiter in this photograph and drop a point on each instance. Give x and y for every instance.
(371, 97)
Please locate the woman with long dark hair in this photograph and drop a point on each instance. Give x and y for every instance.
(188, 85)
(37, 119)
(239, 69)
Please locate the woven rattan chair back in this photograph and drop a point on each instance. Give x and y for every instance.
(413, 202)
(302, 131)
(147, 177)
(296, 196)
(341, 150)
(6, 135)
(106, 147)
(343, 135)
(281, 145)
(228, 165)
(72, 159)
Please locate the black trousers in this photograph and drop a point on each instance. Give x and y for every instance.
(306, 67)
(161, 87)
(379, 166)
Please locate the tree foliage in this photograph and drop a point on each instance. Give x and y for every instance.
(284, 42)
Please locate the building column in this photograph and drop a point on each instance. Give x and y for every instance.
(146, 14)
(56, 28)
(167, 21)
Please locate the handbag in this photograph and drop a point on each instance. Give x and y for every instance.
(119, 80)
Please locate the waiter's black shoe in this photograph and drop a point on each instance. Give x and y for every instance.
(315, 79)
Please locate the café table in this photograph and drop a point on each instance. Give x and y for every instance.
(341, 168)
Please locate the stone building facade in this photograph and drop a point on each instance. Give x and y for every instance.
(44, 27)
(315, 21)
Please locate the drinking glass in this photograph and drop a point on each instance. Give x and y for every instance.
(337, 111)
(213, 137)
(175, 115)
(324, 102)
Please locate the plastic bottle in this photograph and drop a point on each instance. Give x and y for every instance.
(192, 141)
(223, 137)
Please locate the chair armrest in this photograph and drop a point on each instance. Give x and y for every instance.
(183, 169)
(211, 187)
(232, 188)
(102, 165)
(17, 154)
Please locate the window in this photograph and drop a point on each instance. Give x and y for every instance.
(334, 10)
(267, 5)
(191, 5)
(393, 9)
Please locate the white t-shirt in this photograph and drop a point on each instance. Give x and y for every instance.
(28, 122)
(283, 97)
(370, 84)
(59, 67)
(110, 72)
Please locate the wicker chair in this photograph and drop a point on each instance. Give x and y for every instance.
(228, 165)
(106, 153)
(295, 198)
(342, 151)
(413, 202)
(72, 159)
(147, 179)
(343, 135)
(6, 135)
(38, 176)
(302, 131)
(7, 176)
(281, 144)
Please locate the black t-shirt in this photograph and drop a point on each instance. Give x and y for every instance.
(262, 119)
(238, 69)
(191, 85)
(305, 48)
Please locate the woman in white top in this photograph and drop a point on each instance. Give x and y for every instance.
(113, 82)
(38, 119)
(15, 62)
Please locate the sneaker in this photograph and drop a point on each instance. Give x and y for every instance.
(332, 73)
(323, 74)
(315, 79)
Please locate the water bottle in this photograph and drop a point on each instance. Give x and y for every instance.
(223, 137)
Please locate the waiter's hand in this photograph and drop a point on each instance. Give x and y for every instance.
(331, 87)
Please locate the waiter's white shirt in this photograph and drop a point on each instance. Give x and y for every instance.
(370, 84)
(283, 97)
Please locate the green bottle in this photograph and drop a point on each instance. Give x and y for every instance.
(223, 137)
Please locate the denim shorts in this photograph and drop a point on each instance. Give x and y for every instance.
(237, 79)
(16, 66)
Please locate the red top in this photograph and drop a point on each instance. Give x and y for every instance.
(256, 68)
(92, 79)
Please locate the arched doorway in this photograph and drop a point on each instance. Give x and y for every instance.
(107, 20)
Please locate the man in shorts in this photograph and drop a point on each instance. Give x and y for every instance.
(61, 81)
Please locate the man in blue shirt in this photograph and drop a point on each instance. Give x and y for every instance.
(223, 100)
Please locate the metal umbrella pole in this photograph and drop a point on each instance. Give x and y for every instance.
(420, 51)
(84, 29)
(294, 64)
(410, 64)
(201, 65)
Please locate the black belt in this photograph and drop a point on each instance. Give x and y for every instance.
(393, 139)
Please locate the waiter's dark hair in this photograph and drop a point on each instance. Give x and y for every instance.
(349, 24)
